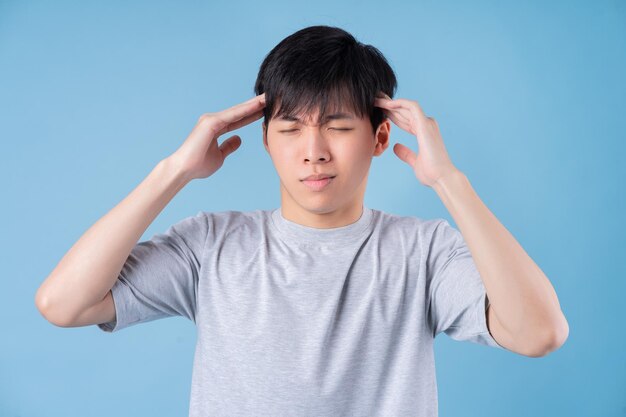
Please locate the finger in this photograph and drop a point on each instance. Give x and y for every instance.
(398, 116)
(241, 110)
(230, 145)
(246, 120)
(260, 99)
(404, 114)
(226, 118)
(242, 122)
(414, 107)
(386, 103)
(411, 106)
(405, 153)
(400, 122)
(255, 102)
(411, 113)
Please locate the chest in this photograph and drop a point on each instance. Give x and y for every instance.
(278, 290)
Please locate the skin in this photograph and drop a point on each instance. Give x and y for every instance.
(78, 291)
(200, 155)
(301, 148)
(525, 314)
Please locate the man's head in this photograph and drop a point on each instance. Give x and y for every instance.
(308, 79)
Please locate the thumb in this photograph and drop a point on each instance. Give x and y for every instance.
(230, 145)
(405, 153)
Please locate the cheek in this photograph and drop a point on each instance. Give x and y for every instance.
(355, 151)
(275, 147)
(283, 157)
(286, 154)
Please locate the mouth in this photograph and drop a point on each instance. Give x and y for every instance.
(318, 185)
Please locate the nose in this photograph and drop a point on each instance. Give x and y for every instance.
(316, 147)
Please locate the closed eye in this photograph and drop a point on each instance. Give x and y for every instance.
(331, 128)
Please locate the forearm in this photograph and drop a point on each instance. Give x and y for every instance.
(521, 295)
(90, 268)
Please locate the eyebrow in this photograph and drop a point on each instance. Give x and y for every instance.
(336, 116)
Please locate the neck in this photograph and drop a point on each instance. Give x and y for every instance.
(321, 219)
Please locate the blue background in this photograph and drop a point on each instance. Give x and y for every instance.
(530, 101)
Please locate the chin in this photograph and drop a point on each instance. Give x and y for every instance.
(318, 204)
(313, 202)
(316, 207)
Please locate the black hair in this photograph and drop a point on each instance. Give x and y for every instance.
(325, 67)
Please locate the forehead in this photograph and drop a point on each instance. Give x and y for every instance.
(342, 115)
(332, 113)
(336, 105)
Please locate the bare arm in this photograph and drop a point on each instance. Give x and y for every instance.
(77, 292)
(525, 315)
(88, 271)
(525, 312)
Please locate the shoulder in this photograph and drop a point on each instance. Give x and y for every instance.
(407, 224)
(408, 231)
(230, 221)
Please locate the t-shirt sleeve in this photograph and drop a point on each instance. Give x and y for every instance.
(160, 276)
(457, 299)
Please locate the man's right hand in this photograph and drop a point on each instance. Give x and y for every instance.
(200, 156)
(78, 291)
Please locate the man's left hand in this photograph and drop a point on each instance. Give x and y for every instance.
(432, 161)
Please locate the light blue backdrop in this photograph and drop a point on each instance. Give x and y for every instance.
(530, 101)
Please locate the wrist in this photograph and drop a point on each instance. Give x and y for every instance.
(175, 171)
(446, 180)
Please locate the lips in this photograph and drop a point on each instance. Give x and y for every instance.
(318, 185)
(316, 177)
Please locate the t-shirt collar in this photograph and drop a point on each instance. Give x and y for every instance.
(302, 235)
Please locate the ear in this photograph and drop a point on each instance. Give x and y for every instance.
(382, 137)
(265, 138)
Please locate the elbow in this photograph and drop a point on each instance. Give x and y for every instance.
(41, 302)
(552, 340)
(559, 335)
(43, 306)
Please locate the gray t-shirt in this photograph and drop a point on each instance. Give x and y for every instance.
(297, 321)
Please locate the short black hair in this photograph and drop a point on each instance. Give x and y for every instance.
(325, 67)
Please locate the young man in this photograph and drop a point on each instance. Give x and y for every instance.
(321, 307)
